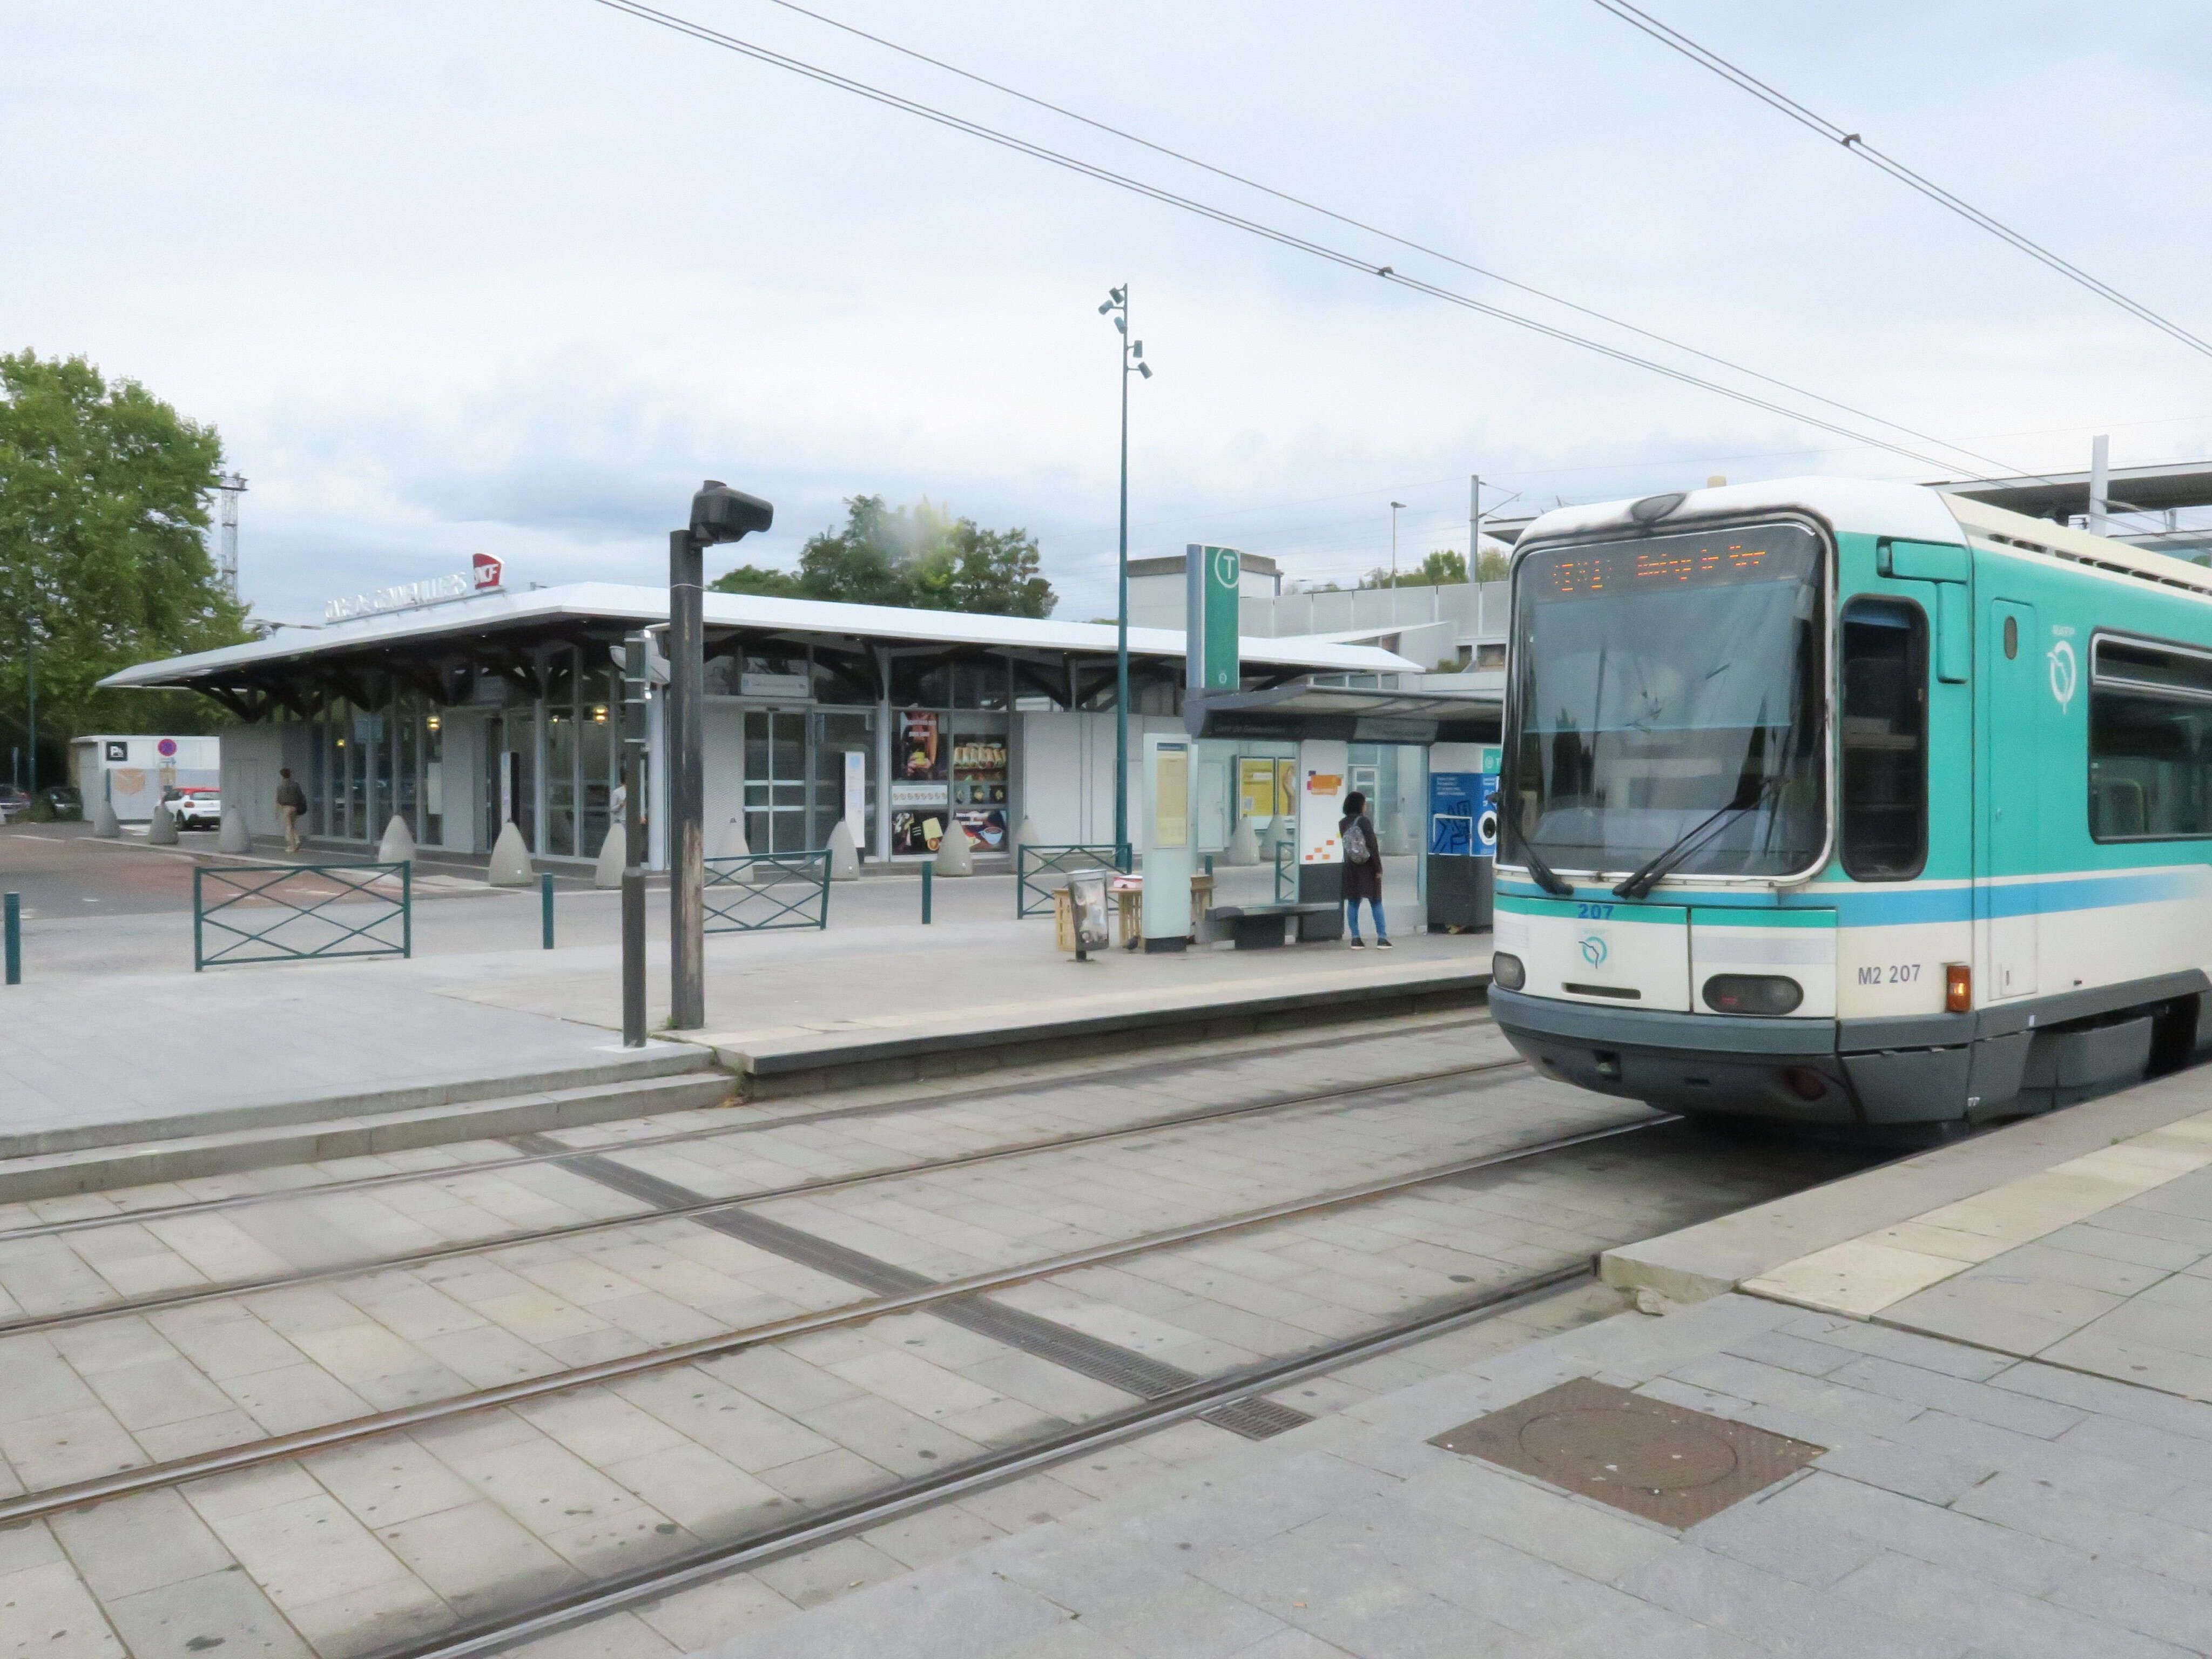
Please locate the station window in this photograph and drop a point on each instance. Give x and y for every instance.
(1885, 739)
(2150, 741)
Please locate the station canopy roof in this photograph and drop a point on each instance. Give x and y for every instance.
(1356, 714)
(488, 630)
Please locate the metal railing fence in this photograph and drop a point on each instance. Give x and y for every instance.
(1286, 872)
(300, 913)
(767, 890)
(1034, 866)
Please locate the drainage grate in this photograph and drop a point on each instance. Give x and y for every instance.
(1070, 1350)
(1666, 1463)
(1254, 1418)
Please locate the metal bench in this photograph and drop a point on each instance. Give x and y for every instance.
(1260, 927)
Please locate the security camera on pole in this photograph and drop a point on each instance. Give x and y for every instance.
(719, 514)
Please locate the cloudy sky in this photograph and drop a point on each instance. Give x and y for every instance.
(513, 277)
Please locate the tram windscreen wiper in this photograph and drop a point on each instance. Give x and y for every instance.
(1639, 885)
(1546, 876)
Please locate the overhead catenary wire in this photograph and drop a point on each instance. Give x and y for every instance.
(1437, 253)
(1268, 233)
(1705, 57)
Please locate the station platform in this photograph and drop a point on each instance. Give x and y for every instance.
(95, 1056)
(1958, 1405)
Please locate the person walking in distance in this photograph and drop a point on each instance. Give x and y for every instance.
(292, 800)
(1362, 870)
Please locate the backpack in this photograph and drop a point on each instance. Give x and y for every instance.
(1355, 847)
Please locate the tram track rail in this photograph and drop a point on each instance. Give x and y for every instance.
(890, 1106)
(931, 1295)
(166, 1301)
(497, 1633)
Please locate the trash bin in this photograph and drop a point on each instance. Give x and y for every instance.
(1078, 911)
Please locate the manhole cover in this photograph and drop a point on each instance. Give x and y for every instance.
(1665, 1462)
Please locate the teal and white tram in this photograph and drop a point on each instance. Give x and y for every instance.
(1852, 803)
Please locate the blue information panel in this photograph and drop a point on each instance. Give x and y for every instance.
(1463, 815)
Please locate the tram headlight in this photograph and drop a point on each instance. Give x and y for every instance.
(1752, 993)
(1505, 970)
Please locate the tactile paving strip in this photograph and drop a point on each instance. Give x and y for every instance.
(1665, 1462)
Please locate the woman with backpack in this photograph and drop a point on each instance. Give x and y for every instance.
(1363, 869)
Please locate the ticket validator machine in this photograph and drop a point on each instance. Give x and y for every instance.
(1462, 851)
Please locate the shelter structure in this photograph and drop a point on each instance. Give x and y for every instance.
(501, 705)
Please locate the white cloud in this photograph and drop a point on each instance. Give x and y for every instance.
(515, 276)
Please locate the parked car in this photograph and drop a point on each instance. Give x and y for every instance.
(197, 808)
(14, 803)
(64, 801)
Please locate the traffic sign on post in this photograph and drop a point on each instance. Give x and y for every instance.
(1223, 579)
(1213, 584)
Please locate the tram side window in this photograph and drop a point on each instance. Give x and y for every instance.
(1884, 730)
(2150, 743)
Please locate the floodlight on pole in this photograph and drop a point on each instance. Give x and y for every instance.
(1132, 354)
(719, 514)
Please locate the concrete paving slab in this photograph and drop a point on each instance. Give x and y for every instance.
(2053, 1532)
(1865, 1243)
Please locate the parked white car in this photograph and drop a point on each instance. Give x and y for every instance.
(197, 809)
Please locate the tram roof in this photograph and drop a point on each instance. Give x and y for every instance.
(1865, 505)
(506, 617)
(1913, 511)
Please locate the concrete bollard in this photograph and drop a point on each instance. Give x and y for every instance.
(104, 823)
(607, 872)
(1026, 836)
(397, 846)
(1243, 845)
(510, 859)
(234, 836)
(844, 857)
(953, 858)
(161, 829)
(730, 842)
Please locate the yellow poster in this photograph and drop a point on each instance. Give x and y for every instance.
(1256, 796)
(1171, 796)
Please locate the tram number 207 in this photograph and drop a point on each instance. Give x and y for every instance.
(1898, 973)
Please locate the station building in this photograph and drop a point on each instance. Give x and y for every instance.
(487, 704)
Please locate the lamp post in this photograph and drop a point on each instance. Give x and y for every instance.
(1133, 356)
(718, 513)
(1394, 506)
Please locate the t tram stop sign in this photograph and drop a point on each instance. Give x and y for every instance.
(1462, 841)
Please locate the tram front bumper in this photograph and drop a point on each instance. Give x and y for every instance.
(1744, 1067)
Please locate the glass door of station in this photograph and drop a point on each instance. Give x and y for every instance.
(776, 816)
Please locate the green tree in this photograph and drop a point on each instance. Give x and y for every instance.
(1439, 569)
(1493, 568)
(918, 556)
(104, 492)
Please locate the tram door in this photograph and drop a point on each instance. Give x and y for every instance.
(2015, 694)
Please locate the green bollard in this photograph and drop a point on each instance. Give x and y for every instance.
(926, 872)
(545, 904)
(14, 928)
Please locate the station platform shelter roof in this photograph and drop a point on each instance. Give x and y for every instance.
(440, 649)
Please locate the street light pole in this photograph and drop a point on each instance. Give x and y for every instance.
(718, 513)
(687, 785)
(637, 690)
(1395, 506)
(1133, 356)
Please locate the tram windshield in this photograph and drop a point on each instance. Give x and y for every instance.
(1658, 683)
